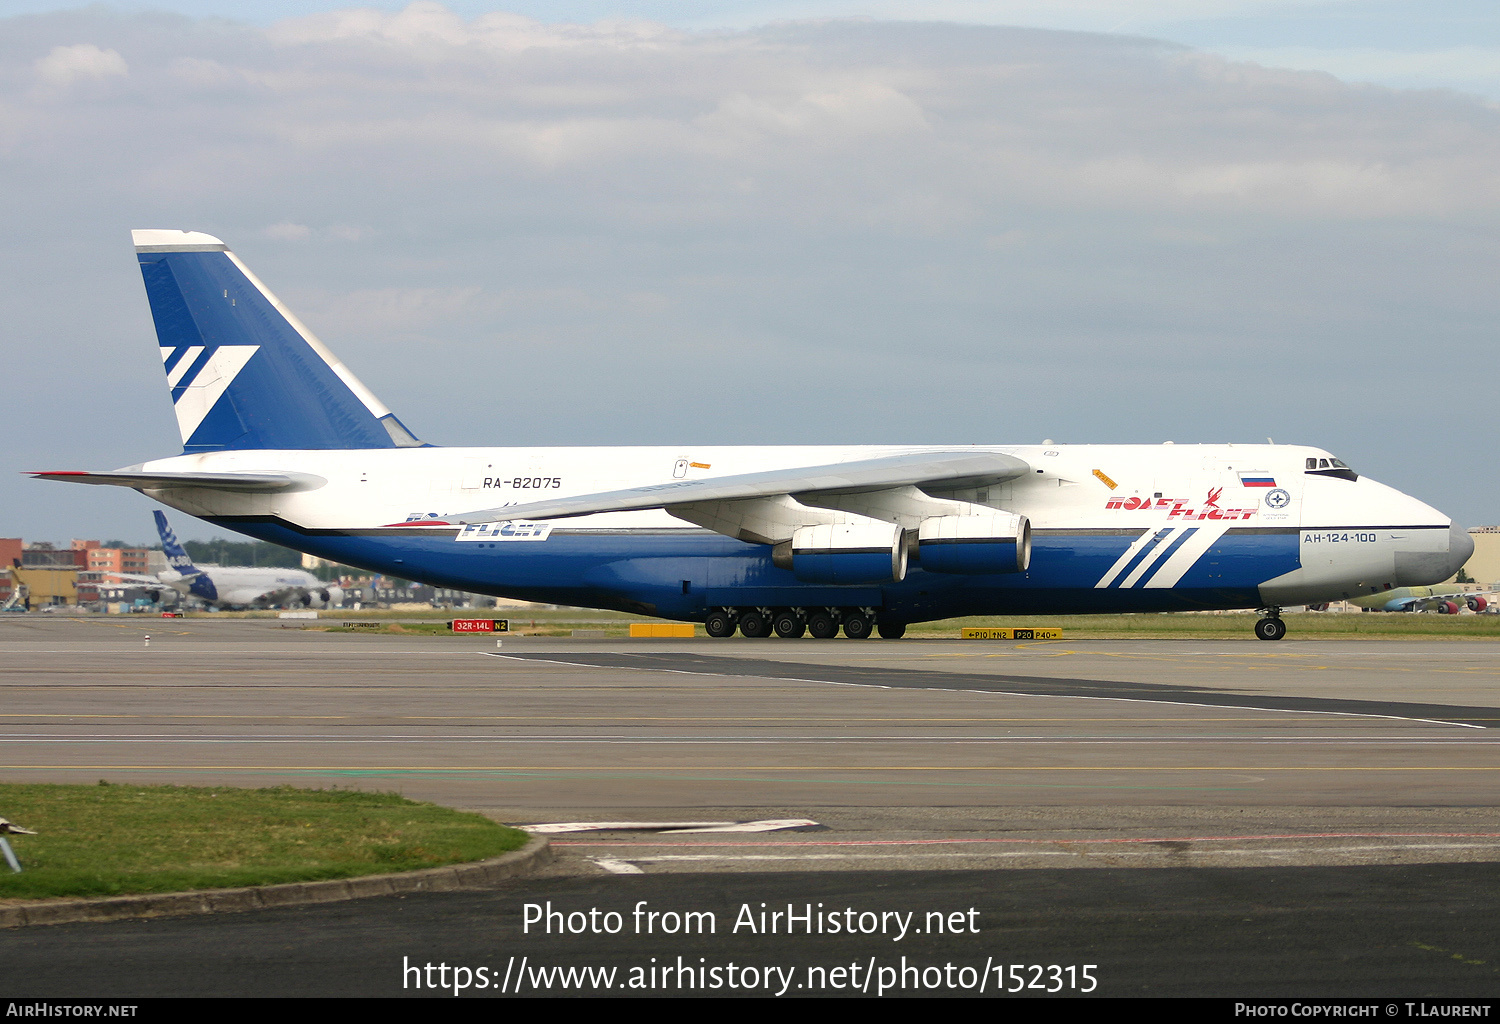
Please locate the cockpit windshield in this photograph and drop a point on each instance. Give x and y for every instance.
(1321, 466)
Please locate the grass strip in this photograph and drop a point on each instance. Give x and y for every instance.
(1163, 626)
(113, 840)
(1234, 626)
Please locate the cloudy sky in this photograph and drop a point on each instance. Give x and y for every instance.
(756, 221)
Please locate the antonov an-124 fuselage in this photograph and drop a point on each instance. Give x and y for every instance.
(283, 443)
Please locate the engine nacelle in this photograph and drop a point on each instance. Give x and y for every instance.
(1447, 608)
(975, 545)
(869, 552)
(1478, 604)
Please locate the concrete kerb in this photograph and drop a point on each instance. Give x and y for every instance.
(515, 864)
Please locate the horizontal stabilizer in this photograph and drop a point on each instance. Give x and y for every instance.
(214, 481)
(950, 469)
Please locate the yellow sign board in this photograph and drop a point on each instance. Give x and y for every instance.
(661, 629)
(1006, 633)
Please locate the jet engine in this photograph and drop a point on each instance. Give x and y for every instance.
(1447, 608)
(975, 545)
(1477, 604)
(326, 597)
(867, 552)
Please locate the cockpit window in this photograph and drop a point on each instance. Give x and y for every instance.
(1330, 467)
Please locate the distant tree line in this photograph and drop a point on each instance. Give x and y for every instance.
(257, 553)
(243, 552)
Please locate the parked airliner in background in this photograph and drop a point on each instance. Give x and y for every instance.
(231, 586)
(1443, 600)
(283, 443)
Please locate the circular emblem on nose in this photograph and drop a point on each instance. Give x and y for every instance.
(1278, 498)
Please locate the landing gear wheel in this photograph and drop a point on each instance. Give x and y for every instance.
(1270, 629)
(718, 624)
(891, 630)
(754, 625)
(857, 626)
(822, 626)
(788, 625)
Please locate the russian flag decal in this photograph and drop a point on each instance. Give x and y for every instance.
(1257, 480)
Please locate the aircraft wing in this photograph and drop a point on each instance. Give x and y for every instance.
(280, 596)
(945, 469)
(216, 481)
(127, 579)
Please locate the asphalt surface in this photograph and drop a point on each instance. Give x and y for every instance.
(1398, 932)
(914, 753)
(1309, 817)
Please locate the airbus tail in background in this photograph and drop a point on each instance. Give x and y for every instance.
(283, 443)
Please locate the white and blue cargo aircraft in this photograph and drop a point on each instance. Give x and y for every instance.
(283, 443)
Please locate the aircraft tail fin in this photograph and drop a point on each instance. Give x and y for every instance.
(243, 370)
(177, 556)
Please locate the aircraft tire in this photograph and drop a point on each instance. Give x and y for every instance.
(718, 624)
(1270, 629)
(823, 626)
(891, 630)
(788, 625)
(754, 625)
(857, 626)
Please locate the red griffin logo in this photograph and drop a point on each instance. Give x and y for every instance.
(1179, 508)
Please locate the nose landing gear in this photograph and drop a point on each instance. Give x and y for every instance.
(1271, 627)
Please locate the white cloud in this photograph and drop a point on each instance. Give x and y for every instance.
(1461, 67)
(65, 65)
(395, 309)
(427, 25)
(286, 231)
(803, 232)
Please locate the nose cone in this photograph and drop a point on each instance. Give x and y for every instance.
(1460, 548)
(1426, 568)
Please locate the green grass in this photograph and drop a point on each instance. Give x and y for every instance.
(1175, 626)
(1235, 626)
(111, 840)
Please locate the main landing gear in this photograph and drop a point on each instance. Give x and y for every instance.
(792, 623)
(1271, 627)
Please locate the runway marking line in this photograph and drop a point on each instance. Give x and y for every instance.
(1250, 770)
(1035, 842)
(5, 716)
(1002, 693)
(617, 867)
(1205, 660)
(753, 740)
(1272, 852)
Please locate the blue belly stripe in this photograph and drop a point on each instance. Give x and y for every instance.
(645, 572)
